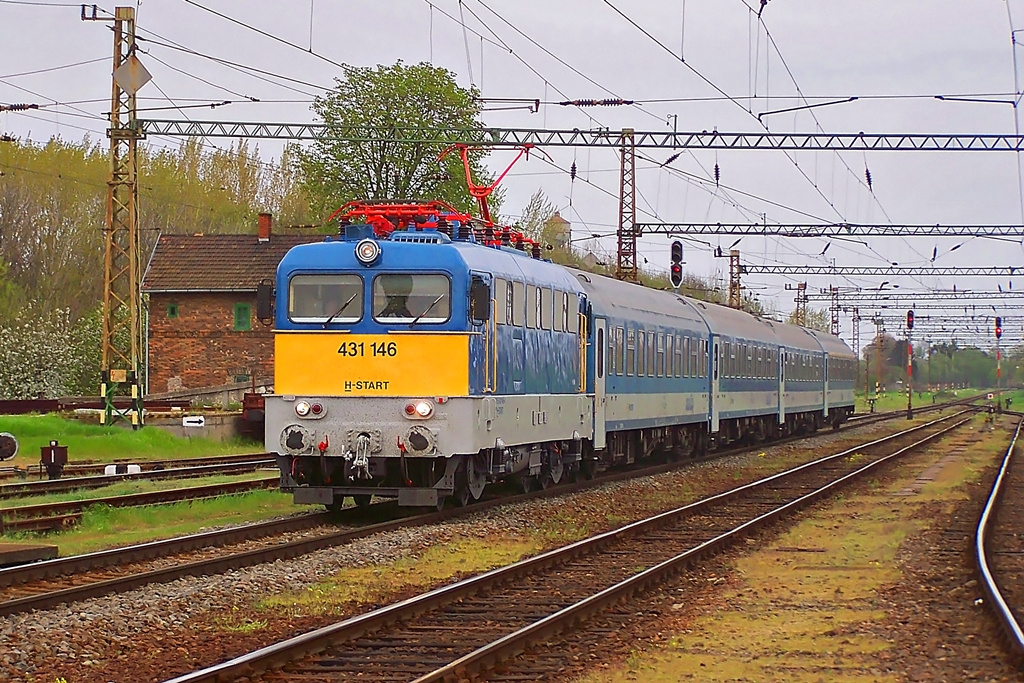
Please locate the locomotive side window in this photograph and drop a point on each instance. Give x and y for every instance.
(565, 311)
(545, 309)
(532, 306)
(501, 307)
(315, 298)
(560, 304)
(517, 303)
(412, 297)
(630, 351)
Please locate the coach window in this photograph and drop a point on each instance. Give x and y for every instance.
(641, 353)
(630, 351)
(600, 352)
(315, 298)
(670, 356)
(620, 349)
(659, 358)
(652, 341)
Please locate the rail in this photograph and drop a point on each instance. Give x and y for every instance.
(993, 597)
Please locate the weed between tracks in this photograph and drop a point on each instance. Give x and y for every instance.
(803, 609)
(105, 527)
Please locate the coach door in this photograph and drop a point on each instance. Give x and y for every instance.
(782, 385)
(600, 351)
(715, 365)
(824, 376)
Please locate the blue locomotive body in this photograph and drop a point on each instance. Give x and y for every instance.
(422, 366)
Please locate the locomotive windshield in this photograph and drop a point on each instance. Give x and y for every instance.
(412, 297)
(319, 298)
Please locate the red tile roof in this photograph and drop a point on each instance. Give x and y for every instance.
(182, 263)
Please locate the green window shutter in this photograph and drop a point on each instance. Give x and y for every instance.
(243, 318)
(172, 310)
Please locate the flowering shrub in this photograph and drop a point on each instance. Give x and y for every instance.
(46, 354)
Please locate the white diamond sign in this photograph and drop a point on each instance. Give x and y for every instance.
(131, 75)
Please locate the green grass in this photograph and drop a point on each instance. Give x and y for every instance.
(897, 400)
(93, 442)
(104, 527)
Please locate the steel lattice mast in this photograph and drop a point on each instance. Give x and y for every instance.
(121, 369)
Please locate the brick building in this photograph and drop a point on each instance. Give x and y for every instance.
(202, 329)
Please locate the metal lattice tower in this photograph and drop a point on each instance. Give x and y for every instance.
(833, 310)
(626, 268)
(735, 287)
(121, 368)
(856, 343)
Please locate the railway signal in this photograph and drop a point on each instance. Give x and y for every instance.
(910, 320)
(999, 327)
(676, 269)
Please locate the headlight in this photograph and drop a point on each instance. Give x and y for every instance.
(302, 408)
(367, 251)
(419, 410)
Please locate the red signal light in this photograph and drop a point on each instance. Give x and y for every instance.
(999, 327)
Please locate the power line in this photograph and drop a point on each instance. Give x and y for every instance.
(831, 229)
(56, 68)
(268, 35)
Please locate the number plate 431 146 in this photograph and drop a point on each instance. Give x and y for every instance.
(378, 349)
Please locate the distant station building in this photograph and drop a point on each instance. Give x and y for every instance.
(202, 329)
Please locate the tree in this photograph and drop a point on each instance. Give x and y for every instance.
(403, 99)
(535, 216)
(816, 320)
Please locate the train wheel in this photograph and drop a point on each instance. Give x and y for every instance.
(572, 472)
(362, 501)
(335, 506)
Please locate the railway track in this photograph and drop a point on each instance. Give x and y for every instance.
(91, 468)
(47, 486)
(463, 630)
(999, 549)
(47, 584)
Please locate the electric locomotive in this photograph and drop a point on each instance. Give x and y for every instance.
(426, 362)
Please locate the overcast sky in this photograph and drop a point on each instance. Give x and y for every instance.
(894, 56)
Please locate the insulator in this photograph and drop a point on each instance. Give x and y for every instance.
(867, 176)
(718, 174)
(572, 171)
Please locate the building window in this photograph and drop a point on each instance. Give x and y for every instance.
(172, 310)
(243, 318)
